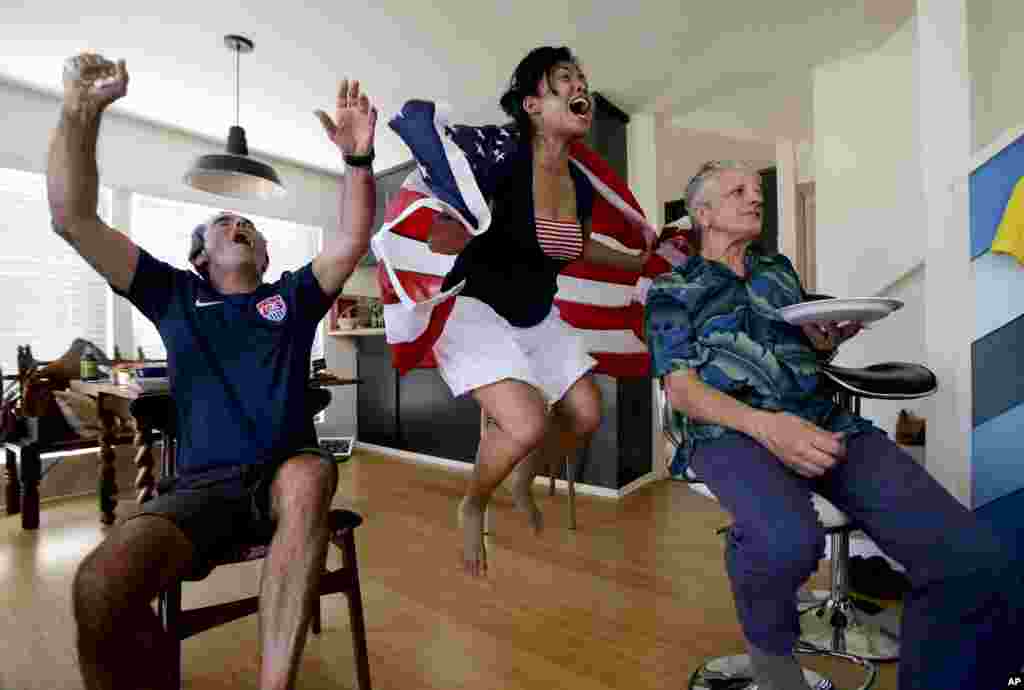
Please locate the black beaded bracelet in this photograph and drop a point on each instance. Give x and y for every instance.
(363, 161)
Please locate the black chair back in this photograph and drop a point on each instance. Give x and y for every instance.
(317, 400)
(157, 411)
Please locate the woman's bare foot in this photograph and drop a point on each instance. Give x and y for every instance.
(474, 553)
(522, 483)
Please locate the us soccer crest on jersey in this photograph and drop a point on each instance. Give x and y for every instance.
(273, 308)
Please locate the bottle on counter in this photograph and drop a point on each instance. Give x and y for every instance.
(88, 365)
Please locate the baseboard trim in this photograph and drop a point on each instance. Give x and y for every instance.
(466, 467)
(639, 483)
(46, 500)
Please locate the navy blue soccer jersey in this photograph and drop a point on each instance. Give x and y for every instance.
(238, 364)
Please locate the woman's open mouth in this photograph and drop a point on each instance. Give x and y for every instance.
(580, 106)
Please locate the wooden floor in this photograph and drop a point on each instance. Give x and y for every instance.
(634, 599)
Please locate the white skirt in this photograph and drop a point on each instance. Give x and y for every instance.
(478, 347)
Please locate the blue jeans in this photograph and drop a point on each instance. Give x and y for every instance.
(960, 619)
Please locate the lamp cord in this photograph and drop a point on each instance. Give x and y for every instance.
(237, 91)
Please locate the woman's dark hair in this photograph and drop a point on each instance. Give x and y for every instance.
(535, 66)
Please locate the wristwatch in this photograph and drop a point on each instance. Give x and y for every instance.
(364, 161)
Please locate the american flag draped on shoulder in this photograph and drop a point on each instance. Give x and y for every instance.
(459, 167)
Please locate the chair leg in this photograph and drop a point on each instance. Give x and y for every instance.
(355, 614)
(315, 623)
(169, 606)
(570, 473)
(13, 496)
(488, 521)
(30, 470)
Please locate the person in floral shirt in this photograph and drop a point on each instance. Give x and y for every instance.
(762, 434)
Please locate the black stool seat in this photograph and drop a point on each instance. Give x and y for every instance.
(888, 380)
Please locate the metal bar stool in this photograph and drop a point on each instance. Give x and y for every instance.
(830, 627)
(834, 623)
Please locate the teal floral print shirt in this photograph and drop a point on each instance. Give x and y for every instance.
(704, 317)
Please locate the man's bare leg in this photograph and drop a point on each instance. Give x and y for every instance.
(519, 412)
(301, 496)
(120, 641)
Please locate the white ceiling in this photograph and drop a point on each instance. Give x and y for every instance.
(685, 60)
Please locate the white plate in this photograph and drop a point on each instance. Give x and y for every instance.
(863, 309)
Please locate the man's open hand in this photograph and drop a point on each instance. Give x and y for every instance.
(354, 122)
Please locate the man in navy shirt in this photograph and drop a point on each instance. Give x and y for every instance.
(238, 352)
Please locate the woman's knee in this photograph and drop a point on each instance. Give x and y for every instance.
(581, 408)
(585, 420)
(527, 428)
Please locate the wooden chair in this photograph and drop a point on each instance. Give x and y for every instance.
(157, 412)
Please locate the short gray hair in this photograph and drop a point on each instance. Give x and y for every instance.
(697, 187)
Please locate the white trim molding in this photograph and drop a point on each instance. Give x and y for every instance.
(1001, 142)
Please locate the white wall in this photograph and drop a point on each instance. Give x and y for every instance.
(898, 338)
(885, 204)
(682, 151)
(870, 202)
(944, 136)
(136, 156)
(642, 154)
(805, 161)
(762, 108)
(995, 56)
(870, 205)
(363, 282)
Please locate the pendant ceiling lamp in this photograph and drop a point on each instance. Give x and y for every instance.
(233, 173)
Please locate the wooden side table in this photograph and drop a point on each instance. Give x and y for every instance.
(29, 457)
(114, 402)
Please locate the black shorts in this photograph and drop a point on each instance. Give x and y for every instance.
(219, 508)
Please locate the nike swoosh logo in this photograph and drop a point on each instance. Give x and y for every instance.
(200, 303)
